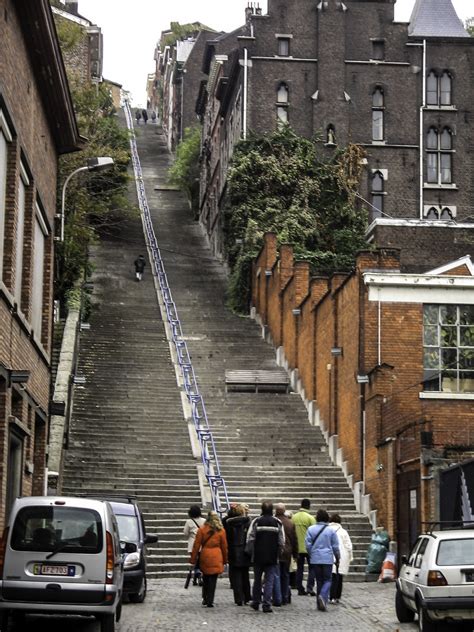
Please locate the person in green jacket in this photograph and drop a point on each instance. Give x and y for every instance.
(302, 520)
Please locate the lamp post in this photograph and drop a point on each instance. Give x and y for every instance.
(93, 164)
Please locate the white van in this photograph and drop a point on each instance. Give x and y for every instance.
(61, 555)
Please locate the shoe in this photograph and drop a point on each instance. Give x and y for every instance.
(302, 592)
(210, 605)
(195, 582)
(267, 609)
(321, 604)
(254, 606)
(199, 581)
(332, 601)
(238, 603)
(277, 605)
(311, 592)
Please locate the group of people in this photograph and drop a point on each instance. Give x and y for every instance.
(143, 114)
(278, 545)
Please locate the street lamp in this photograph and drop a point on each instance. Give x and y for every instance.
(93, 164)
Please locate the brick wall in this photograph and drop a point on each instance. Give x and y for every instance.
(382, 341)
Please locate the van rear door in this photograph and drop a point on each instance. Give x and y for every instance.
(55, 554)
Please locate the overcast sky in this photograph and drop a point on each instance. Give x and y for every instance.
(131, 30)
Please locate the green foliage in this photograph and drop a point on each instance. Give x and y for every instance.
(96, 202)
(181, 32)
(280, 182)
(470, 26)
(70, 34)
(185, 171)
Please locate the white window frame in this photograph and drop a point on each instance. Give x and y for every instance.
(5, 138)
(37, 294)
(23, 183)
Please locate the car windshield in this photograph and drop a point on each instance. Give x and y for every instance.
(128, 528)
(456, 552)
(56, 529)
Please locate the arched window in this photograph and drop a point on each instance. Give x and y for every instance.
(432, 213)
(447, 213)
(377, 114)
(330, 135)
(377, 192)
(445, 88)
(283, 99)
(282, 93)
(432, 89)
(439, 152)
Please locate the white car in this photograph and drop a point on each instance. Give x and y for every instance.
(436, 581)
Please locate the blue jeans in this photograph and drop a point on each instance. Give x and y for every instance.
(284, 582)
(271, 573)
(323, 574)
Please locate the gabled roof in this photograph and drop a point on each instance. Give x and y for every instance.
(460, 267)
(435, 18)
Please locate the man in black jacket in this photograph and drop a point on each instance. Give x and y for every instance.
(236, 527)
(265, 542)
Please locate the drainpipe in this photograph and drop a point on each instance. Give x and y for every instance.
(362, 446)
(244, 121)
(379, 330)
(423, 104)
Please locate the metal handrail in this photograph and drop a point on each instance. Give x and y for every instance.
(216, 482)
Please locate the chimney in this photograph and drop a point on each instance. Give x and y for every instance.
(72, 7)
(253, 8)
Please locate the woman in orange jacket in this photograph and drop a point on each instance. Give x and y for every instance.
(211, 546)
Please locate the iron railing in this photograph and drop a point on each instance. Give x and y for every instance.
(220, 499)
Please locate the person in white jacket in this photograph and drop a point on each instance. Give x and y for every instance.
(345, 548)
(190, 530)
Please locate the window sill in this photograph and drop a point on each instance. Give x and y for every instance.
(442, 395)
(428, 185)
(379, 142)
(437, 108)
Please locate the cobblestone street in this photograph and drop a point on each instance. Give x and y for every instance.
(365, 608)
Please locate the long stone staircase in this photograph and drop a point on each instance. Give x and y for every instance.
(128, 435)
(266, 447)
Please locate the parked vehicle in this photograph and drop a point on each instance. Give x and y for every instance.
(132, 532)
(436, 581)
(61, 555)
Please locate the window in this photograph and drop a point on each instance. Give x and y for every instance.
(283, 99)
(439, 150)
(378, 50)
(420, 553)
(20, 238)
(5, 138)
(377, 115)
(377, 189)
(456, 552)
(39, 237)
(438, 89)
(448, 345)
(330, 135)
(284, 46)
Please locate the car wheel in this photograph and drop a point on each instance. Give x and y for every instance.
(107, 623)
(139, 597)
(425, 624)
(404, 613)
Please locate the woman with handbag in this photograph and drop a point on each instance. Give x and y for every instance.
(210, 553)
(191, 526)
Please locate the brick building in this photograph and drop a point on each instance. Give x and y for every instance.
(84, 59)
(403, 91)
(385, 363)
(37, 124)
(179, 75)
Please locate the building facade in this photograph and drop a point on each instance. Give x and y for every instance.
(385, 363)
(403, 91)
(37, 124)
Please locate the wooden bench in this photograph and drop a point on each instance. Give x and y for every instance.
(256, 381)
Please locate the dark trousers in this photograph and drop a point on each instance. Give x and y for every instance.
(270, 572)
(302, 558)
(208, 588)
(336, 586)
(240, 582)
(323, 575)
(285, 582)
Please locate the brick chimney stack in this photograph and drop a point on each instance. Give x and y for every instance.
(253, 8)
(72, 6)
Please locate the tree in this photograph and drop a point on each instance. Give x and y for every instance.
(280, 182)
(185, 171)
(470, 26)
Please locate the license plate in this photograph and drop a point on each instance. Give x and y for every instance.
(64, 570)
